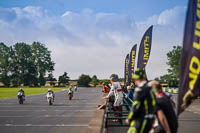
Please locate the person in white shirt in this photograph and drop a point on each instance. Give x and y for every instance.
(116, 90)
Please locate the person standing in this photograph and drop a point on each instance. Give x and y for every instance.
(130, 92)
(105, 88)
(141, 116)
(167, 119)
(116, 90)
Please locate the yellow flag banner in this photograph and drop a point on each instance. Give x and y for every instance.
(190, 61)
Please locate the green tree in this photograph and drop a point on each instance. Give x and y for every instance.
(4, 64)
(95, 80)
(115, 76)
(174, 57)
(25, 64)
(106, 81)
(172, 81)
(51, 79)
(23, 67)
(84, 80)
(42, 60)
(63, 79)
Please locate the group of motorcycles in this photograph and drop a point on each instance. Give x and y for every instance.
(49, 96)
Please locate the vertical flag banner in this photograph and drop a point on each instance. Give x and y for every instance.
(190, 61)
(145, 48)
(131, 65)
(126, 70)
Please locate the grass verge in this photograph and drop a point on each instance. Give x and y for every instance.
(12, 92)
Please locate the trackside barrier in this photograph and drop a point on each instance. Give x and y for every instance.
(109, 114)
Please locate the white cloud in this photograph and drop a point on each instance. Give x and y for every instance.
(92, 43)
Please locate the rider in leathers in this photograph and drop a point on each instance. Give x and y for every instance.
(23, 94)
(141, 115)
(49, 90)
(70, 90)
(116, 90)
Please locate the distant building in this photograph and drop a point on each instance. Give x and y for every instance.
(51, 83)
(73, 82)
(2, 84)
(56, 83)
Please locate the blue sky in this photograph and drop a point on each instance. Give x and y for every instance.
(93, 37)
(139, 9)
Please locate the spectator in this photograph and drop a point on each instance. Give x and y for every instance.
(167, 120)
(130, 92)
(141, 115)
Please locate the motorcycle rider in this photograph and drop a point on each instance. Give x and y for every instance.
(75, 88)
(70, 89)
(141, 116)
(21, 91)
(50, 91)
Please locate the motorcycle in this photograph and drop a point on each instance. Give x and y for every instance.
(75, 88)
(70, 94)
(50, 98)
(21, 97)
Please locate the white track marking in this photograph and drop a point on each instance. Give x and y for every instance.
(50, 116)
(43, 125)
(25, 106)
(44, 110)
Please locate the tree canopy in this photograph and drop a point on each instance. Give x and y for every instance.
(63, 79)
(95, 80)
(25, 64)
(84, 80)
(173, 62)
(115, 76)
(174, 57)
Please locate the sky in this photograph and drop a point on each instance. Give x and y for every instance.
(93, 36)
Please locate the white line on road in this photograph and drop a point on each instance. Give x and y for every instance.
(44, 110)
(55, 104)
(19, 116)
(45, 106)
(189, 119)
(45, 125)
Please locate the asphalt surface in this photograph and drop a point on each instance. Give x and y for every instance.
(189, 120)
(36, 116)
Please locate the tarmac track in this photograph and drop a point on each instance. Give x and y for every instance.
(36, 116)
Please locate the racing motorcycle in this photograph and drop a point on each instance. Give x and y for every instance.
(49, 98)
(21, 97)
(70, 94)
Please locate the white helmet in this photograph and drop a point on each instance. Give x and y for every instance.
(128, 87)
(49, 89)
(20, 89)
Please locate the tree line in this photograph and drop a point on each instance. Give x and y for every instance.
(32, 65)
(25, 64)
(172, 77)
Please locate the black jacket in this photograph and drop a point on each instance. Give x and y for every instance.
(143, 103)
